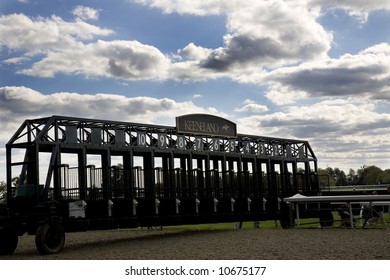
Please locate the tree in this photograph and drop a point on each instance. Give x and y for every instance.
(366, 175)
(369, 175)
(352, 177)
(384, 177)
(372, 175)
(337, 176)
(341, 178)
(326, 178)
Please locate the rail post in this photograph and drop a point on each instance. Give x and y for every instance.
(232, 202)
(197, 203)
(177, 205)
(157, 205)
(215, 205)
(135, 204)
(110, 206)
(249, 202)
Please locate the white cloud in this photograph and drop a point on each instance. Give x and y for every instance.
(216, 7)
(281, 95)
(381, 50)
(86, 13)
(251, 106)
(36, 35)
(260, 37)
(21, 102)
(257, 38)
(189, 71)
(64, 47)
(253, 45)
(343, 132)
(118, 59)
(193, 52)
(277, 37)
(199, 8)
(356, 8)
(325, 121)
(366, 74)
(15, 60)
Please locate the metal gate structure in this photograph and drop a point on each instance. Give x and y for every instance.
(119, 174)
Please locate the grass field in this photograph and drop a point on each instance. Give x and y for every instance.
(271, 224)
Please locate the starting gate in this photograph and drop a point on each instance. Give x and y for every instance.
(66, 174)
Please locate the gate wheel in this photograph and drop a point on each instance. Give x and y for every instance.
(8, 242)
(50, 238)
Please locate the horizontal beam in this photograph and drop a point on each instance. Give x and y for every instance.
(337, 198)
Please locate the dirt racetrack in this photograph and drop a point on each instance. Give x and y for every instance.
(245, 244)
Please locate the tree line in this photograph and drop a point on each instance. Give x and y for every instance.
(366, 175)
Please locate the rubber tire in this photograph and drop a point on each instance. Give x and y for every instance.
(50, 239)
(8, 242)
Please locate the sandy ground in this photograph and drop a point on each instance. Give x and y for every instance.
(245, 244)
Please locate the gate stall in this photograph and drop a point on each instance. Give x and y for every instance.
(75, 174)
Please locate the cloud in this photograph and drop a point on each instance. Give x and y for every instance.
(264, 37)
(64, 47)
(217, 7)
(257, 39)
(26, 102)
(357, 8)
(251, 106)
(283, 95)
(41, 35)
(322, 121)
(366, 74)
(193, 52)
(86, 13)
(255, 44)
(277, 37)
(342, 132)
(15, 60)
(199, 8)
(133, 60)
(128, 60)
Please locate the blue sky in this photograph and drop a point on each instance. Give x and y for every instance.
(317, 70)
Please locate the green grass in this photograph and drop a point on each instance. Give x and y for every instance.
(269, 225)
(223, 226)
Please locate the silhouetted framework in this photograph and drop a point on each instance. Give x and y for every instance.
(119, 174)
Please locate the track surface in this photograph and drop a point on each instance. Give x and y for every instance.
(248, 244)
